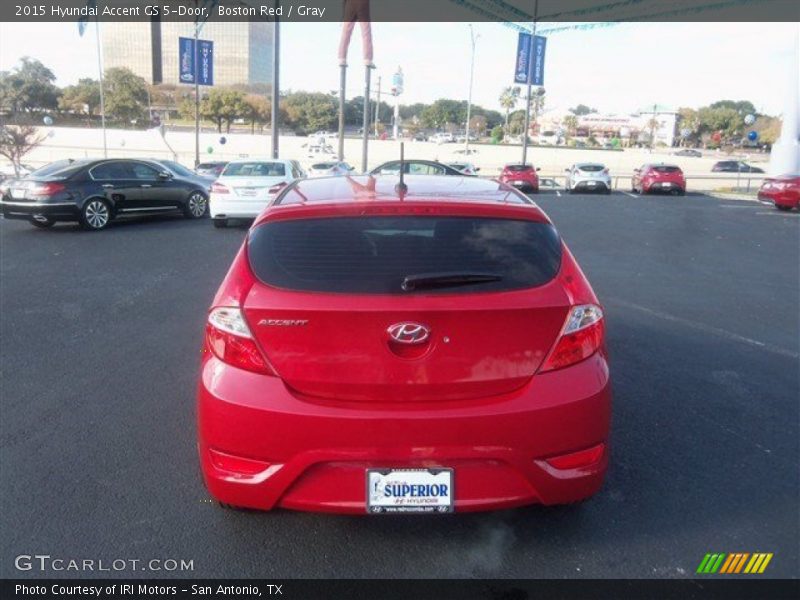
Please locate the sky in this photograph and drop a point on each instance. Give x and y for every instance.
(615, 69)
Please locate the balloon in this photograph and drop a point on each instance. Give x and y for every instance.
(223, 140)
(749, 119)
(752, 136)
(48, 120)
(210, 149)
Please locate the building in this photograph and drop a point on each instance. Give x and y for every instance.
(628, 128)
(242, 50)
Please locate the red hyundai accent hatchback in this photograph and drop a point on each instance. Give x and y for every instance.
(373, 350)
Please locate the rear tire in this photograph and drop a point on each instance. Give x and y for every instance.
(95, 214)
(196, 206)
(220, 223)
(43, 224)
(783, 207)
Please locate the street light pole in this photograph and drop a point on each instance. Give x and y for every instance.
(276, 86)
(530, 84)
(102, 90)
(469, 99)
(196, 95)
(377, 106)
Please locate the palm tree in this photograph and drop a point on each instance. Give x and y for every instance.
(508, 100)
(570, 123)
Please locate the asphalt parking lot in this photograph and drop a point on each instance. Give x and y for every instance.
(101, 336)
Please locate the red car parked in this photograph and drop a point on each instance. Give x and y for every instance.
(783, 191)
(372, 350)
(658, 178)
(522, 177)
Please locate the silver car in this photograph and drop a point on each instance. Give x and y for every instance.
(583, 177)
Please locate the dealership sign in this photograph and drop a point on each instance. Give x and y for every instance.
(529, 67)
(197, 65)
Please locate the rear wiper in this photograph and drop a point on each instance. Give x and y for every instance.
(449, 279)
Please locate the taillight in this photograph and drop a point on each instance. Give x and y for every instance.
(218, 188)
(277, 187)
(581, 337)
(605, 171)
(230, 340)
(45, 189)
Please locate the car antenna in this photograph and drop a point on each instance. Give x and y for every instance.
(401, 188)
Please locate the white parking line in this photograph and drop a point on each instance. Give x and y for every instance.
(629, 194)
(708, 329)
(558, 193)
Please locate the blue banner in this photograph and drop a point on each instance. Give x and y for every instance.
(530, 65)
(205, 58)
(204, 69)
(186, 68)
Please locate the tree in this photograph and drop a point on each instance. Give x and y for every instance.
(29, 87)
(257, 110)
(582, 109)
(223, 106)
(444, 112)
(477, 125)
(497, 134)
(125, 94)
(570, 123)
(743, 107)
(16, 141)
(508, 100)
(82, 98)
(309, 111)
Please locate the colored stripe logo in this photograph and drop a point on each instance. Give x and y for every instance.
(737, 562)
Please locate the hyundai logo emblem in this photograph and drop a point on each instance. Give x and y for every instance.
(409, 333)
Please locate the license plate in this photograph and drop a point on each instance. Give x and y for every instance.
(517, 183)
(247, 191)
(409, 490)
(666, 184)
(591, 183)
(18, 193)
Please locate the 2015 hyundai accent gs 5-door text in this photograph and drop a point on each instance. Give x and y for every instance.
(378, 348)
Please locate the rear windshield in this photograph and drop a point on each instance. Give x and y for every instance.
(666, 169)
(214, 165)
(255, 169)
(374, 255)
(321, 166)
(591, 168)
(59, 169)
(518, 167)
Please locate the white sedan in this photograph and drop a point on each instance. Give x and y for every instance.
(246, 187)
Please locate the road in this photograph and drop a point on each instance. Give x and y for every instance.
(101, 336)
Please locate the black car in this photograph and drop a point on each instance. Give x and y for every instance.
(95, 192)
(417, 167)
(735, 166)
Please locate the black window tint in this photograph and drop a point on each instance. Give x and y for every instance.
(113, 170)
(518, 168)
(591, 168)
(255, 169)
(143, 171)
(664, 169)
(373, 255)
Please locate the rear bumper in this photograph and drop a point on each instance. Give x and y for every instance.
(315, 453)
(778, 198)
(524, 186)
(591, 185)
(659, 186)
(63, 211)
(221, 207)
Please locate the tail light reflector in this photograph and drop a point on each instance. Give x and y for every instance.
(228, 337)
(581, 337)
(218, 188)
(575, 460)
